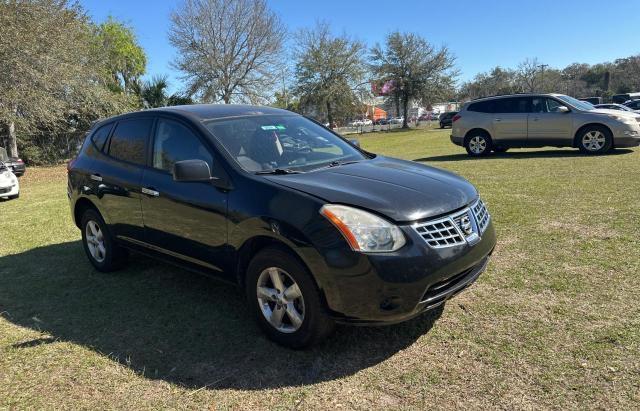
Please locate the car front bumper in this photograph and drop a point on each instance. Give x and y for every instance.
(394, 287)
(9, 191)
(626, 141)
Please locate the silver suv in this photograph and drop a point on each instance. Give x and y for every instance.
(537, 120)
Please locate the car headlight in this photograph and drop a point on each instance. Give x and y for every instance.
(364, 231)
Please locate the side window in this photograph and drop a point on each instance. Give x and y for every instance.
(100, 136)
(129, 140)
(552, 105)
(538, 105)
(512, 105)
(482, 106)
(175, 142)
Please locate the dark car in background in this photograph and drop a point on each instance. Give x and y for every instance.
(315, 229)
(592, 100)
(15, 164)
(446, 119)
(633, 104)
(621, 98)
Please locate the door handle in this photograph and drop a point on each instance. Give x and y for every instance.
(150, 192)
(497, 119)
(96, 177)
(536, 118)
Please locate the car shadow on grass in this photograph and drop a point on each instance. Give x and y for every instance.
(520, 155)
(170, 324)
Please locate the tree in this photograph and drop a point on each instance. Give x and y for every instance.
(177, 99)
(124, 60)
(497, 81)
(51, 79)
(228, 50)
(154, 92)
(328, 71)
(418, 70)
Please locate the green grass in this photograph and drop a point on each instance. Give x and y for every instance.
(553, 323)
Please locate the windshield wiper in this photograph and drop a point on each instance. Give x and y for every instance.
(279, 171)
(338, 163)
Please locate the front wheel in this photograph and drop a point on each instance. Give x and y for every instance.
(478, 144)
(595, 140)
(285, 300)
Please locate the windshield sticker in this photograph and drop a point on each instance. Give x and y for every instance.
(278, 127)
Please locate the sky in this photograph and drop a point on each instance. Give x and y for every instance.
(481, 34)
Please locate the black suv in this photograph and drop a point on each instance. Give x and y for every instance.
(446, 119)
(314, 228)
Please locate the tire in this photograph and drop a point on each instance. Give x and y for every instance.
(478, 144)
(594, 140)
(111, 257)
(312, 325)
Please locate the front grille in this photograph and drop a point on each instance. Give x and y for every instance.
(5, 190)
(481, 214)
(457, 228)
(440, 233)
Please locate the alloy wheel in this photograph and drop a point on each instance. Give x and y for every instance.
(95, 241)
(593, 140)
(280, 300)
(478, 144)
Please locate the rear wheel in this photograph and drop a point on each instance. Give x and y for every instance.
(595, 140)
(98, 244)
(478, 144)
(285, 300)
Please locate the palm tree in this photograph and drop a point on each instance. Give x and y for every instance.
(154, 92)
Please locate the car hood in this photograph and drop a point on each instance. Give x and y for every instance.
(618, 113)
(6, 178)
(401, 190)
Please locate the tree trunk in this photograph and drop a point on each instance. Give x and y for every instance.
(227, 98)
(329, 114)
(13, 140)
(396, 97)
(405, 104)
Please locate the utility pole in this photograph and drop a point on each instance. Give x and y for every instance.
(542, 66)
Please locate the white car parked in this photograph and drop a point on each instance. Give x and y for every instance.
(9, 186)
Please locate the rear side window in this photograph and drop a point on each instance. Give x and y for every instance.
(512, 105)
(99, 137)
(129, 140)
(482, 106)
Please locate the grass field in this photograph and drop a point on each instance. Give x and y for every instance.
(553, 323)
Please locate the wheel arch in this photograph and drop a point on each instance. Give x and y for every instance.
(478, 130)
(254, 245)
(81, 205)
(576, 136)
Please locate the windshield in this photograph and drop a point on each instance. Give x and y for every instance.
(295, 143)
(580, 105)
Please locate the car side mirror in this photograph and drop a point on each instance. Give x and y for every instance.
(562, 109)
(191, 170)
(355, 142)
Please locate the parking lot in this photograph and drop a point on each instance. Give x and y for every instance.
(552, 323)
